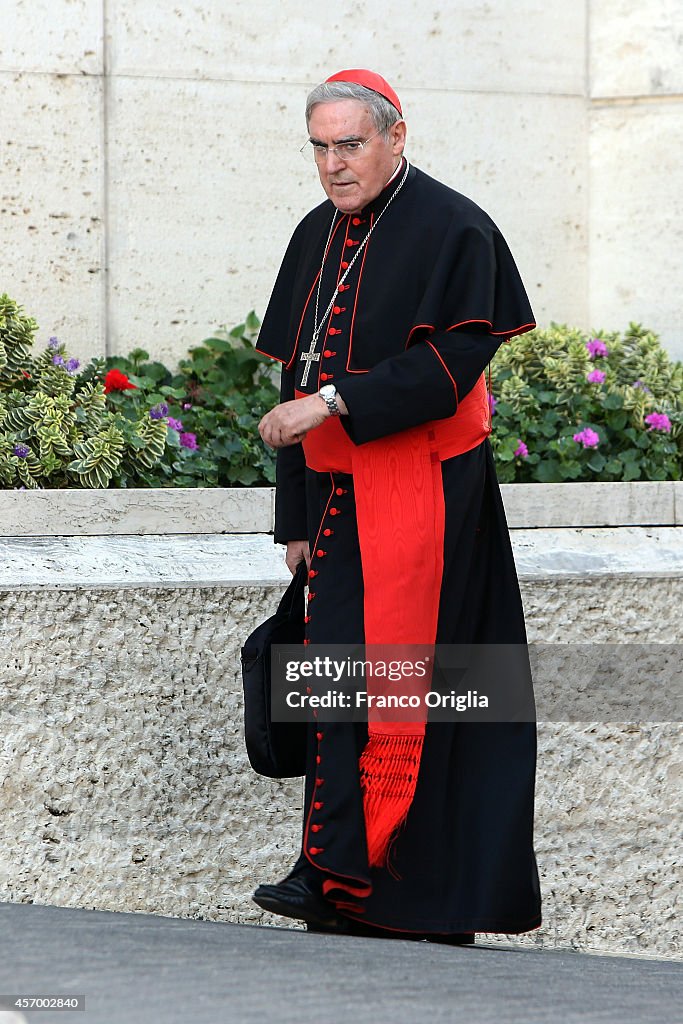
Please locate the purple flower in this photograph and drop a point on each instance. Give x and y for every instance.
(639, 384)
(54, 342)
(22, 451)
(73, 365)
(493, 402)
(659, 421)
(521, 449)
(587, 437)
(596, 377)
(175, 424)
(189, 441)
(159, 411)
(187, 405)
(58, 360)
(596, 347)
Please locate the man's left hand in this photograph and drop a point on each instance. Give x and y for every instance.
(289, 422)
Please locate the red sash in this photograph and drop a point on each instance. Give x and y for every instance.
(401, 521)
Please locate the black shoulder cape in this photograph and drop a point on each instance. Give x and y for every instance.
(436, 262)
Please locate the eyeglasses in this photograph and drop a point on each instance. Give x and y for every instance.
(344, 151)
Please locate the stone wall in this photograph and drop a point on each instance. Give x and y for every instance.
(123, 780)
(151, 176)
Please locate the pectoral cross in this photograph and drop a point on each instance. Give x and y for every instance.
(309, 357)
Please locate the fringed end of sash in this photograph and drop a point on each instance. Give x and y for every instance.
(389, 767)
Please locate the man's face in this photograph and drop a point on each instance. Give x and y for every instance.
(353, 184)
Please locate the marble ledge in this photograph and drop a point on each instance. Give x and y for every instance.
(250, 510)
(253, 560)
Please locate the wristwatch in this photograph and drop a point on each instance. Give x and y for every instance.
(328, 393)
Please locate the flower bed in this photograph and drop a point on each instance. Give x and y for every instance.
(129, 422)
(565, 407)
(570, 407)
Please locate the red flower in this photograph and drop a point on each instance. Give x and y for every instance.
(117, 381)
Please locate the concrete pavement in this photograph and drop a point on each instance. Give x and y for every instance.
(140, 968)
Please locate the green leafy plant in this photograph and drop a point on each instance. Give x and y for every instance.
(213, 402)
(570, 406)
(566, 406)
(56, 426)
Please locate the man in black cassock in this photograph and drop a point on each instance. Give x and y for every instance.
(392, 298)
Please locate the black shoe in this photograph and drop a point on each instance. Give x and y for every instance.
(295, 897)
(453, 939)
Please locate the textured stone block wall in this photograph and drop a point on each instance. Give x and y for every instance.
(609, 799)
(151, 175)
(123, 778)
(124, 784)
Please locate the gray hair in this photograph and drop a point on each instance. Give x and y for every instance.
(383, 113)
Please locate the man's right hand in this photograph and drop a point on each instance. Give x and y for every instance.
(297, 551)
(289, 422)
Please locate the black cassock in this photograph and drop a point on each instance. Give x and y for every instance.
(436, 268)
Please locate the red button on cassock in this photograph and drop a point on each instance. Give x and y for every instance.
(320, 553)
(344, 265)
(356, 221)
(307, 618)
(326, 376)
(312, 573)
(350, 243)
(318, 736)
(334, 511)
(327, 533)
(318, 759)
(318, 805)
(319, 782)
(315, 850)
(316, 828)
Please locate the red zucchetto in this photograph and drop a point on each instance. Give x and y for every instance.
(369, 79)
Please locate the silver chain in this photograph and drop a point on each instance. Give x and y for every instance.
(317, 329)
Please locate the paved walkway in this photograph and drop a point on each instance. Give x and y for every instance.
(137, 968)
